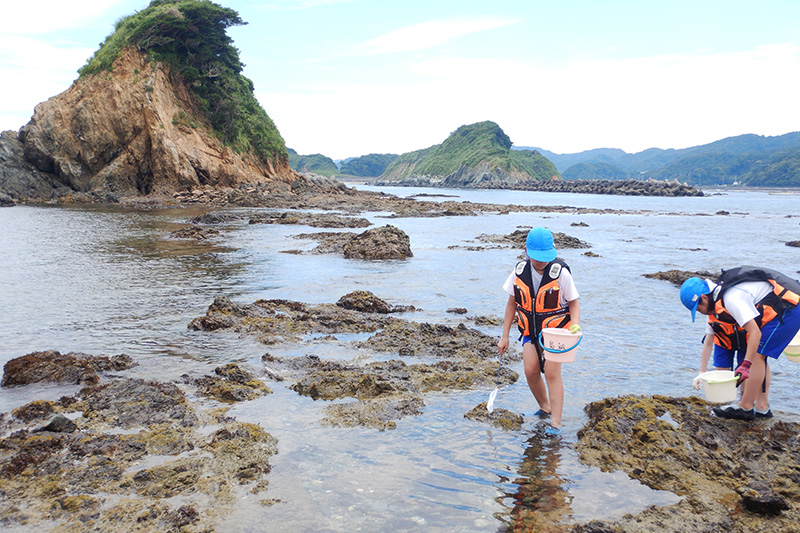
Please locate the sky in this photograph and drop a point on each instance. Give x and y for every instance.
(346, 78)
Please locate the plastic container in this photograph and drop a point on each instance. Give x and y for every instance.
(559, 344)
(792, 352)
(719, 386)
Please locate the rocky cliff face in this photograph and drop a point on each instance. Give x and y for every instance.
(134, 131)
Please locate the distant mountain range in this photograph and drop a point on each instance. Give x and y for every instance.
(745, 159)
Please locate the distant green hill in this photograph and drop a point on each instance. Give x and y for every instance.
(316, 163)
(368, 166)
(745, 159)
(473, 155)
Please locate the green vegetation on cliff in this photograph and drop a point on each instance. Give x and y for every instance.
(190, 36)
(482, 144)
(316, 163)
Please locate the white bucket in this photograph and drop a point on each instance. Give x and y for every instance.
(559, 344)
(792, 351)
(719, 386)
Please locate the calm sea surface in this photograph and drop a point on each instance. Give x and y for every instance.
(106, 281)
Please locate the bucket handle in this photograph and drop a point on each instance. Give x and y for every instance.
(558, 351)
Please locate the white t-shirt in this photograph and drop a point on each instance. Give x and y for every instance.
(565, 283)
(741, 299)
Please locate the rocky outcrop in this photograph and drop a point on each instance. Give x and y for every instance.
(384, 243)
(134, 131)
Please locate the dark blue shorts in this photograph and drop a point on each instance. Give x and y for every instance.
(723, 357)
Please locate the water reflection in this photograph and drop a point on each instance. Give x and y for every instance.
(541, 501)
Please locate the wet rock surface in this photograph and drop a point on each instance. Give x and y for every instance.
(52, 366)
(733, 475)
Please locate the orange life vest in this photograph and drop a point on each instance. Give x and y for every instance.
(540, 309)
(785, 292)
(727, 334)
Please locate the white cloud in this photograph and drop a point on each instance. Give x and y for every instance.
(669, 101)
(301, 4)
(39, 70)
(429, 34)
(45, 16)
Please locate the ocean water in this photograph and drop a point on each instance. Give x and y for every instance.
(104, 281)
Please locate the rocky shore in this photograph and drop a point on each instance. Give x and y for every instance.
(128, 454)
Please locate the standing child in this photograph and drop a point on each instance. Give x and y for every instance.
(542, 295)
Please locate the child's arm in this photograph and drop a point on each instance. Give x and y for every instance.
(705, 353)
(508, 319)
(574, 311)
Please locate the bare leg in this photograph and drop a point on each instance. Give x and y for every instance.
(555, 389)
(530, 360)
(762, 398)
(752, 386)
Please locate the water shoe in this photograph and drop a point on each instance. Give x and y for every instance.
(541, 414)
(554, 431)
(734, 411)
(764, 414)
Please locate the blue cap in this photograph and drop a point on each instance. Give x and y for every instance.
(691, 290)
(539, 245)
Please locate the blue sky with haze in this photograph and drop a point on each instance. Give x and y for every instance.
(350, 77)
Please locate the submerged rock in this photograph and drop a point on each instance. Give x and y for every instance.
(502, 418)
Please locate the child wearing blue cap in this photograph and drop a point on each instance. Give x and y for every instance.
(763, 303)
(542, 294)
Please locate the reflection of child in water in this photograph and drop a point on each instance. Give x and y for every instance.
(542, 295)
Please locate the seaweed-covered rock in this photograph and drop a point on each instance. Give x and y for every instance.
(366, 302)
(274, 320)
(731, 472)
(437, 340)
(132, 403)
(516, 239)
(677, 277)
(231, 384)
(52, 366)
